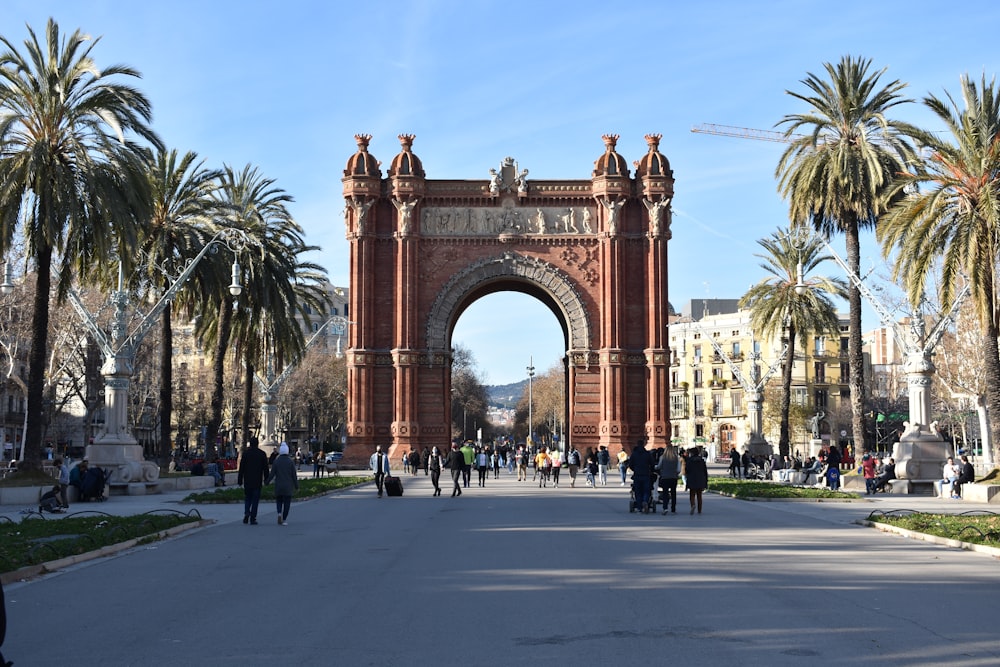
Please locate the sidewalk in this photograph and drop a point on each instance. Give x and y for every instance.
(171, 500)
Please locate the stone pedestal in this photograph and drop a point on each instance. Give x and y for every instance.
(920, 454)
(124, 463)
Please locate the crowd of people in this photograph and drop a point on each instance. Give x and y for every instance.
(552, 466)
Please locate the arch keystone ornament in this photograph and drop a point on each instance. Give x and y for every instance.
(594, 251)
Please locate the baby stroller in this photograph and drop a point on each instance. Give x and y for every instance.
(649, 505)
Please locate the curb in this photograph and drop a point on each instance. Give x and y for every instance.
(757, 499)
(32, 571)
(933, 539)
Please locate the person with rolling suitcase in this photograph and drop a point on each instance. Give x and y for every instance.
(379, 463)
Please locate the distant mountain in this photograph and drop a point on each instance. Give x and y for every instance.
(506, 395)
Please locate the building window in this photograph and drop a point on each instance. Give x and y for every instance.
(800, 396)
(736, 399)
(697, 354)
(673, 378)
(818, 345)
(717, 403)
(819, 369)
(845, 373)
(698, 377)
(677, 406)
(821, 398)
(699, 405)
(736, 349)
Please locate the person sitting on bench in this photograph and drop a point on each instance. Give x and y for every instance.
(888, 473)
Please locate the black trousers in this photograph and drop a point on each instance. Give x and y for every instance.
(669, 487)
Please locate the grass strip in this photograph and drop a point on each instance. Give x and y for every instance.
(972, 528)
(308, 488)
(35, 540)
(745, 489)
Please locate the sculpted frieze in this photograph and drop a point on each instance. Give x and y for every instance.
(494, 221)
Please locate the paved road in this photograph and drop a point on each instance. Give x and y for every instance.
(511, 574)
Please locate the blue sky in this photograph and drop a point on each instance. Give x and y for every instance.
(285, 86)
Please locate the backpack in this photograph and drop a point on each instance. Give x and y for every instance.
(574, 458)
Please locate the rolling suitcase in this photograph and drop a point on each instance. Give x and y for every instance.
(393, 486)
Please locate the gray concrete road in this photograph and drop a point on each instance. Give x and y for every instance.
(512, 574)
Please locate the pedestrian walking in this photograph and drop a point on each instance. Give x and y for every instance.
(251, 475)
(63, 466)
(456, 464)
(482, 465)
(603, 461)
(379, 463)
(697, 477)
(641, 463)
(286, 482)
(622, 464)
(573, 462)
(669, 469)
(435, 463)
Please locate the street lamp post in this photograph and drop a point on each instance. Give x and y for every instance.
(270, 384)
(115, 449)
(921, 451)
(531, 374)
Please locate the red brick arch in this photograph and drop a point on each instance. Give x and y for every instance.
(594, 251)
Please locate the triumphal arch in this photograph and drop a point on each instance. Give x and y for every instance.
(593, 250)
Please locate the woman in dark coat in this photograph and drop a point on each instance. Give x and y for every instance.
(697, 477)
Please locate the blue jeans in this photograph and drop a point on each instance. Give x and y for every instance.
(284, 503)
(250, 502)
(641, 485)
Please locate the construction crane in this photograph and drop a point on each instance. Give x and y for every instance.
(745, 133)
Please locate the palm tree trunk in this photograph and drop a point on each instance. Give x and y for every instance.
(784, 438)
(855, 358)
(166, 385)
(247, 401)
(219, 372)
(35, 413)
(992, 372)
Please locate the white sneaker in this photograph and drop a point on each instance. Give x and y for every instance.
(284, 523)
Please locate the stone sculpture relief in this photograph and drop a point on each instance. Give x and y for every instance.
(614, 206)
(405, 209)
(486, 221)
(360, 207)
(656, 210)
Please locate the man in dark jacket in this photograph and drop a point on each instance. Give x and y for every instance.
(967, 475)
(641, 464)
(456, 463)
(253, 471)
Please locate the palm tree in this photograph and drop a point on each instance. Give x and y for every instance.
(252, 203)
(839, 175)
(69, 174)
(791, 302)
(949, 217)
(182, 209)
(269, 328)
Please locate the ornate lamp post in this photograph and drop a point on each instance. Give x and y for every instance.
(270, 384)
(115, 449)
(531, 374)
